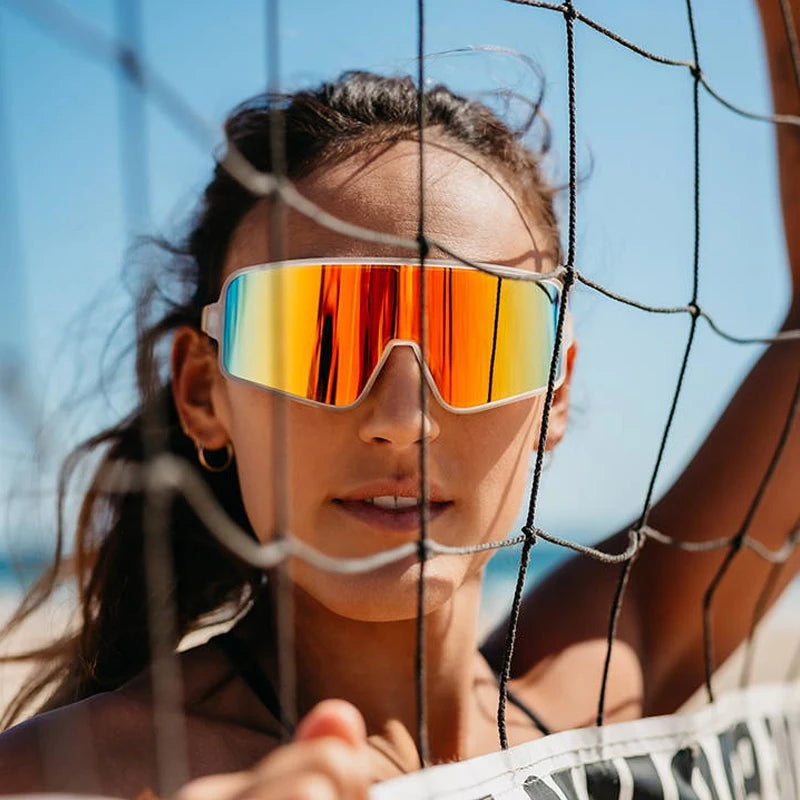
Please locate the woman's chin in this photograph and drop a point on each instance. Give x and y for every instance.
(387, 594)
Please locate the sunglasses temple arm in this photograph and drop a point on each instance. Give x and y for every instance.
(210, 320)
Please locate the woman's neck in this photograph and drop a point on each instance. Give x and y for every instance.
(371, 664)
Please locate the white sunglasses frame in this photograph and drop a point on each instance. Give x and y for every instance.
(213, 314)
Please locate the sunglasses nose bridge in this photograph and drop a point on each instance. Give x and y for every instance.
(393, 413)
(380, 370)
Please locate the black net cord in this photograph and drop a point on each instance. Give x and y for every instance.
(528, 529)
(778, 119)
(93, 43)
(73, 31)
(422, 549)
(625, 572)
(741, 536)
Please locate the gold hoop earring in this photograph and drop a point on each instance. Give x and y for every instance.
(201, 457)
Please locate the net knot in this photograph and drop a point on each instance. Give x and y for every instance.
(530, 533)
(637, 537)
(130, 65)
(697, 73)
(569, 12)
(694, 309)
(738, 540)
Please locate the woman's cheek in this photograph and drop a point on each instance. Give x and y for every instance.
(251, 432)
(500, 472)
(308, 454)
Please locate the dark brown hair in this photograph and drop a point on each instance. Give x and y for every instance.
(111, 643)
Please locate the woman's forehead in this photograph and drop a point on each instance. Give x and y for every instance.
(468, 209)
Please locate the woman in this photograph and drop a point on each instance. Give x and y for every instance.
(351, 149)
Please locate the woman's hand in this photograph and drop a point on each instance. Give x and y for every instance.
(328, 760)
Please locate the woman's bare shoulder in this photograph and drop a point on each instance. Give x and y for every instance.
(100, 745)
(106, 744)
(92, 746)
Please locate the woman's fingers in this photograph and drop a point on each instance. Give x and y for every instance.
(216, 787)
(309, 786)
(333, 718)
(246, 786)
(328, 760)
(340, 763)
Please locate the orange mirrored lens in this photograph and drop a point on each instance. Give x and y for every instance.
(317, 331)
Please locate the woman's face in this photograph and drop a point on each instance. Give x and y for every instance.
(477, 462)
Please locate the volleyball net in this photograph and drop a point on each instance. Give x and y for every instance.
(162, 474)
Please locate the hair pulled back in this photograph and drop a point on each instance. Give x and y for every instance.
(111, 642)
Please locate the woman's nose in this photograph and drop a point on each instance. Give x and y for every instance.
(392, 410)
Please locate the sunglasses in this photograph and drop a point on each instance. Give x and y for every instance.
(319, 330)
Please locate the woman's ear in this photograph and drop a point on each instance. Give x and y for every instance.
(559, 411)
(195, 376)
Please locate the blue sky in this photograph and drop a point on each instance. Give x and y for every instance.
(65, 235)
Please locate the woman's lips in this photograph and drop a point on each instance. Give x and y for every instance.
(401, 519)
